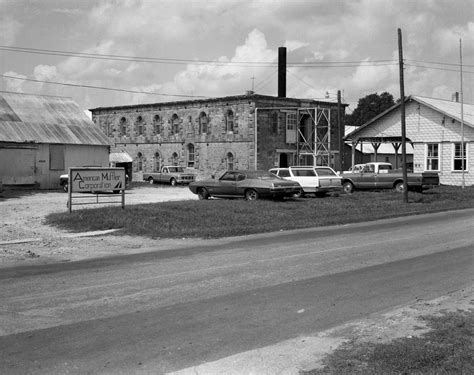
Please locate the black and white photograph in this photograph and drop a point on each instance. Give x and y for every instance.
(236, 187)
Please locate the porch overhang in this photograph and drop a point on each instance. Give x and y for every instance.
(375, 139)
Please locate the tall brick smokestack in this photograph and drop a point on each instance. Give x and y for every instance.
(282, 72)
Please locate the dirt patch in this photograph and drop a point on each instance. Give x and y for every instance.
(25, 239)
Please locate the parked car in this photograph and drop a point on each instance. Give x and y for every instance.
(379, 175)
(318, 180)
(250, 185)
(170, 174)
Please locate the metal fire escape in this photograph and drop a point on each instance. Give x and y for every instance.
(314, 136)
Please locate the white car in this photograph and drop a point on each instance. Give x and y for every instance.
(318, 180)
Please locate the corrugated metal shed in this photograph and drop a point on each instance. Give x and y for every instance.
(26, 118)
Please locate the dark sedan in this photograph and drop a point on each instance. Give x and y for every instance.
(250, 185)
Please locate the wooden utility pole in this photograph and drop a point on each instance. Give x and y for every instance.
(402, 112)
(340, 128)
(463, 157)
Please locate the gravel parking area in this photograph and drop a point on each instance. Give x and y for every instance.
(25, 239)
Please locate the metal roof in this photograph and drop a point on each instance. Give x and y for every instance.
(120, 157)
(446, 107)
(449, 108)
(26, 118)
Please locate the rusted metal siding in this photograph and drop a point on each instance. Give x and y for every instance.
(26, 118)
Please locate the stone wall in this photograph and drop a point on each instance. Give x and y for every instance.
(205, 136)
(219, 133)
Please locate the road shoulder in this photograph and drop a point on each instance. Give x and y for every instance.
(291, 357)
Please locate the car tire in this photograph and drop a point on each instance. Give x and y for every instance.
(66, 187)
(299, 194)
(151, 181)
(173, 182)
(348, 187)
(203, 194)
(399, 187)
(251, 195)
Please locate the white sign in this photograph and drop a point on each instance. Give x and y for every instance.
(96, 179)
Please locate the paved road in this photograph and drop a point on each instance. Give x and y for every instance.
(163, 311)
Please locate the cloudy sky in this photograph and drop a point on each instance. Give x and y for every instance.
(167, 50)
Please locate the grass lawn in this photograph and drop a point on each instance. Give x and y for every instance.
(221, 218)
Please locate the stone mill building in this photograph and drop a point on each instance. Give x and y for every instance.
(208, 136)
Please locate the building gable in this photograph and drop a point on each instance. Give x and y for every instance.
(426, 120)
(26, 118)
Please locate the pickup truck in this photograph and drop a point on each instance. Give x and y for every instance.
(171, 174)
(383, 176)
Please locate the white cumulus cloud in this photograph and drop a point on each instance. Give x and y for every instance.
(45, 72)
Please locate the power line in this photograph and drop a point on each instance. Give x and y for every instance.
(437, 63)
(264, 82)
(298, 78)
(434, 68)
(316, 64)
(343, 64)
(161, 60)
(102, 88)
(130, 58)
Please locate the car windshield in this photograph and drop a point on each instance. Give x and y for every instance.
(325, 172)
(176, 169)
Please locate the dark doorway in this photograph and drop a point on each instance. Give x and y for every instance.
(284, 161)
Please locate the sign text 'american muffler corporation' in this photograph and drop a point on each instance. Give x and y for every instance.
(97, 179)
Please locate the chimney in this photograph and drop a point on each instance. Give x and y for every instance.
(282, 72)
(455, 97)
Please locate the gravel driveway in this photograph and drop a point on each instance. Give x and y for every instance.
(24, 239)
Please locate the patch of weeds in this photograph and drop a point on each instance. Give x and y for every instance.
(446, 349)
(30, 254)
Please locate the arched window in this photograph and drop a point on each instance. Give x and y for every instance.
(229, 121)
(139, 128)
(174, 159)
(175, 124)
(156, 124)
(157, 162)
(123, 126)
(275, 123)
(229, 161)
(190, 155)
(139, 162)
(203, 123)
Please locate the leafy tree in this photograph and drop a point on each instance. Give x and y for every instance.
(369, 107)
